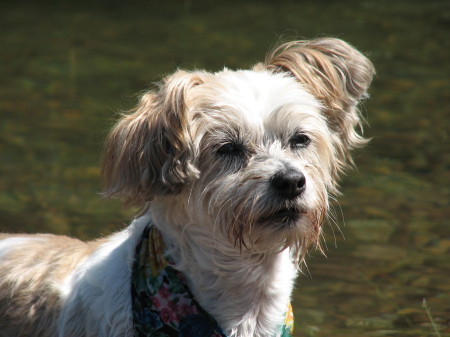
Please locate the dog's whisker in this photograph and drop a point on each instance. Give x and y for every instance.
(334, 221)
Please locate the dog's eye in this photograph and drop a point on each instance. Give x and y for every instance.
(299, 140)
(230, 149)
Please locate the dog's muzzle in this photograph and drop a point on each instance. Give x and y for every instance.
(286, 187)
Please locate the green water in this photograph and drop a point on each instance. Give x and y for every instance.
(67, 68)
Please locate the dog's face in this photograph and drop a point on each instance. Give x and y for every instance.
(249, 157)
(263, 150)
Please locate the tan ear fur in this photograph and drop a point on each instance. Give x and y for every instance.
(149, 151)
(334, 72)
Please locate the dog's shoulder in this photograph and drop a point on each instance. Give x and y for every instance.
(98, 291)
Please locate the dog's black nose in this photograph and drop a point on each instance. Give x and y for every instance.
(290, 183)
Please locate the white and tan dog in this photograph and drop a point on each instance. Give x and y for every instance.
(234, 168)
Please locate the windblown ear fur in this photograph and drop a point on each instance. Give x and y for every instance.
(149, 151)
(337, 74)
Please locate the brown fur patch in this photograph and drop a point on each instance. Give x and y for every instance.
(149, 152)
(29, 274)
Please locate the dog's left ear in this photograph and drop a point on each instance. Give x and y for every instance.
(149, 152)
(335, 73)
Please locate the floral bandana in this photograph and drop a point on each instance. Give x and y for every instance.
(163, 305)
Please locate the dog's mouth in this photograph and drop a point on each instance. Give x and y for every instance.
(286, 216)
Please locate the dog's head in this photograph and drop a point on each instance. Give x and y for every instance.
(247, 156)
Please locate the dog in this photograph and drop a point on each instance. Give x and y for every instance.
(233, 171)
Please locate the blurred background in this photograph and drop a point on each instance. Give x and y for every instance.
(67, 68)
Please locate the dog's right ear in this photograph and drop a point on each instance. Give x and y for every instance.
(149, 152)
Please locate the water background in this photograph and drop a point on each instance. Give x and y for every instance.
(68, 67)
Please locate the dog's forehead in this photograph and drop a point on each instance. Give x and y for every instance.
(257, 95)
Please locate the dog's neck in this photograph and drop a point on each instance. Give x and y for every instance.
(246, 293)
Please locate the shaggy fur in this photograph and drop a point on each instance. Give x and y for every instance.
(235, 168)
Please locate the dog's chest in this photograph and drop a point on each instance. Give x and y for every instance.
(163, 304)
